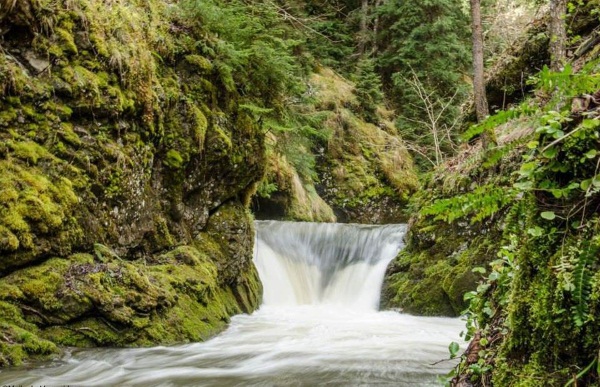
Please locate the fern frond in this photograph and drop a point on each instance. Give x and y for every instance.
(582, 281)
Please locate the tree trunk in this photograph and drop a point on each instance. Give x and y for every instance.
(481, 104)
(378, 4)
(558, 34)
(363, 34)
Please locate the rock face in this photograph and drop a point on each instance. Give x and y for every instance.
(125, 172)
(432, 274)
(362, 171)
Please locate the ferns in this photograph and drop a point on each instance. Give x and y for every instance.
(575, 275)
(481, 203)
(582, 283)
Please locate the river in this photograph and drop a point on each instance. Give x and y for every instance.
(318, 325)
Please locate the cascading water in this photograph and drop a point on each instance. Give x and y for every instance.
(318, 325)
(323, 263)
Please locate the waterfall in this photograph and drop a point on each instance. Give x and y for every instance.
(318, 325)
(324, 263)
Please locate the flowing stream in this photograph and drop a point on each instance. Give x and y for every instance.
(318, 325)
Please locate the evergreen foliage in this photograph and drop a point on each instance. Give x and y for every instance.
(253, 47)
(429, 39)
(368, 89)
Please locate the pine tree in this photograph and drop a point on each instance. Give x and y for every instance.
(368, 89)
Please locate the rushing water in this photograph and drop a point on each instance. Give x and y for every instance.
(318, 325)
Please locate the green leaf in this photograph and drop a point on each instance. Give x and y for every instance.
(535, 231)
(524, 186)
(478, 269)
(529, 166)
(532, 144)
(549, 215)
(585, 184)
(453, 348)
(469, 296)
(591, 154)
(590, 124)
(550, 152)
(488, 311)
(557, 193)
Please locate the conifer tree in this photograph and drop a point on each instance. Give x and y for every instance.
(428, 39)
(368, 89)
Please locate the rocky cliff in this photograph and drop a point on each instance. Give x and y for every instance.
(126, 165)
(349, 170)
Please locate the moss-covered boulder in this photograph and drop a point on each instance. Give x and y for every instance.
(430, 277)
(126, 165)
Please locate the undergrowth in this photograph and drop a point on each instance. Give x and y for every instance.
(531, 321)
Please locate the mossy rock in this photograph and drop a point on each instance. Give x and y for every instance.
(96, 150)
(36, 218)
(20, 340)
(81, 301)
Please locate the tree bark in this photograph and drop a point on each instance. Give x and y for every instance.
(378, 4)
(558, 34)
(481, 104)
(363, 37)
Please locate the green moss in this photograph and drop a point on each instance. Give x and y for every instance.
(219, 140)
(20, 340)
(34, 205)
(200, 63)
(200, 126)
(69, 135)
(66, 40)
(161, 237)
(173, 159)
(8, 240)
(29, 151)
(7, 116)
(197, 307)
(62, 111)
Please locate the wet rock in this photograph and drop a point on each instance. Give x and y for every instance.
(37, 63)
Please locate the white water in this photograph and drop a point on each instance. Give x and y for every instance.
(318, 325)
(324, 263)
